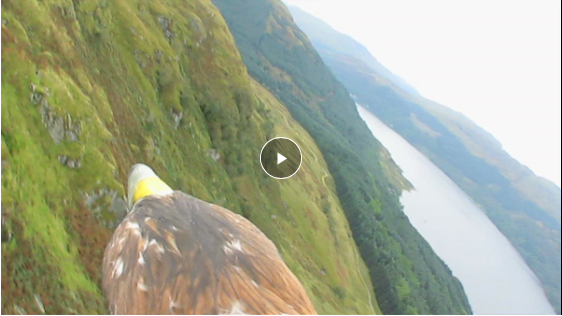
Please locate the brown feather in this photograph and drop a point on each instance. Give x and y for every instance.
(180, 255)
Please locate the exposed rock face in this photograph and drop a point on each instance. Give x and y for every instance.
(177, 117)
(107, 205)
(72, 129)
(54, 124)
(214, 154)
(70, 162)
(59, 128)
(166, 25)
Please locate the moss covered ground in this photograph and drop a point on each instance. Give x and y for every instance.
(90, 88)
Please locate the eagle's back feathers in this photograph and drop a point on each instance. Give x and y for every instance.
(179, 255)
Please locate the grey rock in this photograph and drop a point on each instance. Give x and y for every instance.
(69, 12)
(159, 54)
(70, 162)
(166, 25)
(177, 117)
(197, 26)
(96, 203)
(141, 58)
(54, 124)
(36, 97)
(214, 154)
(59, 128)
(72, 129)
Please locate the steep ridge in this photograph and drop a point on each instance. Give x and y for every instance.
(91, 87)
(526, 208)
(407, 275)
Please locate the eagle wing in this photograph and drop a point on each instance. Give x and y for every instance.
(180, 255)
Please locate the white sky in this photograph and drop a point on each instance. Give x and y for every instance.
(498, 62)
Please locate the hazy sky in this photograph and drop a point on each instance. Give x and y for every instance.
(498, 62)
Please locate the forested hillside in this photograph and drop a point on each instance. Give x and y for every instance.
(407, 275)
(90, 88)
(524, 207)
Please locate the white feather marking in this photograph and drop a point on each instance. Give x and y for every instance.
(141, 259)
(142, 286)
(255, 284)
(146, 219)
(144, 244)
(173, 305)
(118, 269)
(134, 227)
(237, 245)
(174, 227)
(227, 250)
(230, 246)
(158, 249)
(237, 309)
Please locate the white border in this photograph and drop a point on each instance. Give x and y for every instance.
(300, 163)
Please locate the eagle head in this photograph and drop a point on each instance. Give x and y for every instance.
(144, 182)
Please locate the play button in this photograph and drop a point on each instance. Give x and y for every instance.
(280, 158)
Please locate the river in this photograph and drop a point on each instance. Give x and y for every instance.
(495, 277)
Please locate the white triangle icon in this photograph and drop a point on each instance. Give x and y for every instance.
(280, 158)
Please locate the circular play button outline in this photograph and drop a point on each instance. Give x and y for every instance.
(300, 154)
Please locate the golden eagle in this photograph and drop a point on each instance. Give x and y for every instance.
(176, 254)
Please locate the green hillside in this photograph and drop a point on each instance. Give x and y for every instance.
(90, 88)
(407, 275)
(524, 207)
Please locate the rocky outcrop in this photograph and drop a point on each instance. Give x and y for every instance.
(107, 205)
(214, 154)
(166, 25)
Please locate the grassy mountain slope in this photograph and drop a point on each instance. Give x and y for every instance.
(525, 207)
(91, 87)
(407, 275)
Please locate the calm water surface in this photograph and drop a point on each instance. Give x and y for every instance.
(495, 277)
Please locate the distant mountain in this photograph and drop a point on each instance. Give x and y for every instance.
(525, 207)
(343, 44)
